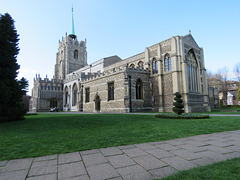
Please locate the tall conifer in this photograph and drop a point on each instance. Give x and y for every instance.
(11, 107)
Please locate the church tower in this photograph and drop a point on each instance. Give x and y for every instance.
(71, 55)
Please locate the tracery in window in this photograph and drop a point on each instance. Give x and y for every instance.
(167, 63)
(192, 72)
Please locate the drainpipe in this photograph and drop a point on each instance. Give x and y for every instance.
(130, 95)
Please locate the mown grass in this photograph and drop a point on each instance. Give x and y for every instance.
(226, 170)
(46, 134)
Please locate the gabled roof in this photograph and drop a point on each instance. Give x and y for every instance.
(190, 40)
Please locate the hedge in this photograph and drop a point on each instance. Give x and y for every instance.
(183, 116)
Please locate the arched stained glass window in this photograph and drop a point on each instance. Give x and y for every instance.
(154, 66)
(167, 63)
(192, 72)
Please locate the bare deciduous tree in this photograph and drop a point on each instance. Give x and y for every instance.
(219, 80)
(236, 70)
(222, 77)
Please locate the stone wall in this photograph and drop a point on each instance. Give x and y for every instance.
(167, 92)
(99, 87)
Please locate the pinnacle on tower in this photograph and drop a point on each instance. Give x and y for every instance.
(72, 32)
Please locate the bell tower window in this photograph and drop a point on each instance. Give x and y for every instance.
(76, 54)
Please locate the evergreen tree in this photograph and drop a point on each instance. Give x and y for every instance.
(11, 106)
(178, 109)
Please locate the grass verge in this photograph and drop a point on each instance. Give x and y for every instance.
(226, 170)
(46, 134)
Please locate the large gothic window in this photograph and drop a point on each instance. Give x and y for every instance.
(111, 91)
(139, 89)
(192, 71)
(74, 95)
(154, 66)
(167, 63)
(76, 54)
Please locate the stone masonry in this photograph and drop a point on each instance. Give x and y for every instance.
(143, 82)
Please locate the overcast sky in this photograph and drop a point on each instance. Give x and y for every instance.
(123, 28)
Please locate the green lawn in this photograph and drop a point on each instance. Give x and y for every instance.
(46, 134)
(226, 170)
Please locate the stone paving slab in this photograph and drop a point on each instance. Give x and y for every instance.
(16, 165)
(120, 161)
(159, 153)
(102, 171)
(71, 170)
(135, 172)
(111, 151)
(163, 172)
(42, 170)
(44, 177)
(136, 162)
(145, 146)
(44, 163)
(69, 158)
(149, 162)
(46, 158)
(179, 163)
(94, 159)
(17, 175)
(134, 152)
(126, 147)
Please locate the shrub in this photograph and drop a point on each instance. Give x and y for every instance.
(178, 109)
(183, 116)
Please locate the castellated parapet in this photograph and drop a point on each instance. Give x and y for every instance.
(46, 93)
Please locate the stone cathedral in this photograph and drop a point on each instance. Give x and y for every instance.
(143, 82)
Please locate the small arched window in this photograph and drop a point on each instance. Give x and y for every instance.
(76, 54)
(139, 89)
(132, 66)
(154, 66)
(167, 63)
(74, 96)
(140, 65)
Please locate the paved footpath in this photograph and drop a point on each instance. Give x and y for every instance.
(133, 162)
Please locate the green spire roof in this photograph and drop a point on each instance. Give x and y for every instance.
(72, 32)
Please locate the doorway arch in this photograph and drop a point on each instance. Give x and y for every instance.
(97, 104)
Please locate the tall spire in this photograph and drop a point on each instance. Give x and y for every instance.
(72, 32)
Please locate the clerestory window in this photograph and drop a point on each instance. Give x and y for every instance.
(154, 66)
(167, 63)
